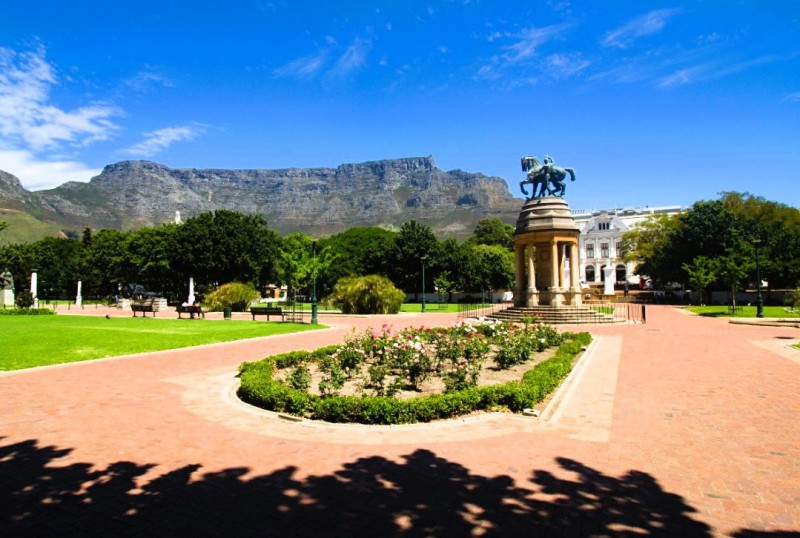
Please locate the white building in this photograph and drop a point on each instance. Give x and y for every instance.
(600, 238)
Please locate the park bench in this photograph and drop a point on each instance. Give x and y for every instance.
(144, 306)
(191, 309)
(266, 311)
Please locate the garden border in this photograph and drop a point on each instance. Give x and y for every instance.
(377, 410)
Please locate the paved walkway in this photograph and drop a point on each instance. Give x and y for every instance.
(685, 426)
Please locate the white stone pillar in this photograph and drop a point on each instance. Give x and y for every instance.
(531, 268)
(191, 298)
(34, 289)
(78, 297)
(562, 279)
(574, 267)
(554, 271)
(519, 275)
(608, 272)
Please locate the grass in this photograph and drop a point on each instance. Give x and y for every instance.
(30, 341)
(429, 307)
(745, 312)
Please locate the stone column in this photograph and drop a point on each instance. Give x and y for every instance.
(574, 266)
(78, 297)
(562, 279)
(519, 274)
(533, 294)
(554, 283)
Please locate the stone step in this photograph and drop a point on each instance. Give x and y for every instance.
(556, 315)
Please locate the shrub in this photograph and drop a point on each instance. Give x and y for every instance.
(300, 378)
(372, 294)
(233, 295)
(24, 299)
(28, 312)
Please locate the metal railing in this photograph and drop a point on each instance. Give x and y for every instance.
(630, 312)
(477, 310)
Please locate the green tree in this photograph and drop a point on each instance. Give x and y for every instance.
(485, 268)
(734, 267)
(358, 251)
(301, 262)
(225, 246)
(702, 273)
(493, 232)
(647, 245)
(103, 265)
(148, 253)
(414, 245)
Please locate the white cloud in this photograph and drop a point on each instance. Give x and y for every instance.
(27, 118)
(649, 23)
(565, 65)
(148, 77)
(794, 97)
(304, 67)
(157, 141)
(354, 57)
(530, 40)
(36, 174)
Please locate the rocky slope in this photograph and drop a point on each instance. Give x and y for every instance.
(319, 201)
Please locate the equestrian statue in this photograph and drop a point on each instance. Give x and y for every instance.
(542, 176)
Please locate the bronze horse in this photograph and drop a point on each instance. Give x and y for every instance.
(542, 176)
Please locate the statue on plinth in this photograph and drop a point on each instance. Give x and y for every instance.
(542, 176)
(6, 281)
(6, 289)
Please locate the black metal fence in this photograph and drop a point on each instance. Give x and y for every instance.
(630, 312)
(477, 310)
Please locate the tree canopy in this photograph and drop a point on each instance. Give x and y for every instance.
(712, 244)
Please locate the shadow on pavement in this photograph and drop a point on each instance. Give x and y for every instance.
(422, 495)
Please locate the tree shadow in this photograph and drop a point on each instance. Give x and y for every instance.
(43, 492)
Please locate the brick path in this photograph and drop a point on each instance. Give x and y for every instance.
(685, 426)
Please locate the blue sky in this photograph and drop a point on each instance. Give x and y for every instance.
(652, 103)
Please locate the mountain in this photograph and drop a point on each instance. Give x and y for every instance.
(318, 201)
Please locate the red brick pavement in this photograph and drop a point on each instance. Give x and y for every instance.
(704, 440)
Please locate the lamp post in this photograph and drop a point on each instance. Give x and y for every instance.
(314, 319)
(759, 298)
(423, 258)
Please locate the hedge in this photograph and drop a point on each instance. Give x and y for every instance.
(260, 389)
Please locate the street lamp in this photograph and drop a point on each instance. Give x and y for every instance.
(314, 319)
(759, 298)
(423, 258)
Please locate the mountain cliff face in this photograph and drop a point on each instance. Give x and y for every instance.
(319, 201)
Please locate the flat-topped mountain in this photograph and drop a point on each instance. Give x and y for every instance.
(319, 201)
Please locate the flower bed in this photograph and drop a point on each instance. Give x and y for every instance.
(368, 378)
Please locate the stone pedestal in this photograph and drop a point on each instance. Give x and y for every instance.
(7, 297)
(545, 238)
(609, 274)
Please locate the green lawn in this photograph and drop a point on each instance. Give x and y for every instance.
(745, 312)
(40, 340)
(429, 307)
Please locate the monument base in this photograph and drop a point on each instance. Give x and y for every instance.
(533, 298)
(7, 297)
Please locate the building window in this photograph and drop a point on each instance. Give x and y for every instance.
(604, 226)
(604, 250)
(618, 250)
(622, 274)
(590, 273)
(590, 251)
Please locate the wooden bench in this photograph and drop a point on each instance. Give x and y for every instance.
(144, 307)
(266, 311)
(191, 309)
